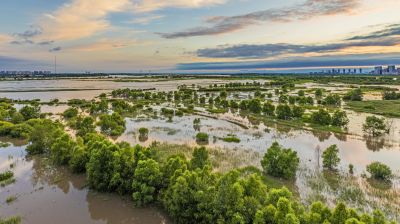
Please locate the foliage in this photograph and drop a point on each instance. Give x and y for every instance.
(280, 162)
(30, 112)
(330, 157)
(202, 137)
(375, 126)
(146, 182)
(321, 117)
(332, 100)
(200, 158)
(339, 118)
(269, 109)
(6, 175)
(113, 124)
(85, 126)
(70, 113)
(379, 171)
(283, 112)
(354, 95)
(43, 135)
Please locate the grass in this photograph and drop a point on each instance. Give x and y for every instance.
(231, 138)
(11, 199)
(6, 178)
(4, 144)
(389, 108)
(222, 159)
(11, 220)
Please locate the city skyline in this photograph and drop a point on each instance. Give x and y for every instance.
(197, 35)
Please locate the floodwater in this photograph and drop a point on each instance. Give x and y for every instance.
(48, 194)
(355, 149)
(66, 89)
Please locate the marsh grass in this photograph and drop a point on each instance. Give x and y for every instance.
(358, 192)
(222, 159)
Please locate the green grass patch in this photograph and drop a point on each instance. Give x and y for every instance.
(231, 138)
(389, 108)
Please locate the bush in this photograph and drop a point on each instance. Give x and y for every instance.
(354, 95)
(70, 113)
(143, 132)
(321, 117)
(231, 138)
(22, 130)
(283, 112)
(30, 112)
(375, 126)
(330, 157)
(379, 171)
(146, 182)
(202, 137)
(340, 119)
(269, 109)
(280, 162)
(113, 125)
(199, 158)
(6, 175)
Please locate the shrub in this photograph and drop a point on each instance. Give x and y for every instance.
(113, 125)
(29, 112)
(321, 117)
(280, 162)
(354, 95)
(6, 175)
(70, 113)
(144, 132)
(340, 119)
(379, 171)
(199, 158)
(202, 137)
(375, 126)
(283, 112)
(146, 182)
(330, 157)
(231, 138)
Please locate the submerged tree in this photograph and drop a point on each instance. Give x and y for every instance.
(280, 162)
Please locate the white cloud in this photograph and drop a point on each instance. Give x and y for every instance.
(152, 5)
(80, 18)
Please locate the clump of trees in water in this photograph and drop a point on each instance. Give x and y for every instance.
(189, 189)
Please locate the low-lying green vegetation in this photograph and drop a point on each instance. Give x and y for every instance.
(390, 108)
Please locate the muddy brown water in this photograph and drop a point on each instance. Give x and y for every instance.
(48, 194)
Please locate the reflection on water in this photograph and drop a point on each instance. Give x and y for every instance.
(48, 194)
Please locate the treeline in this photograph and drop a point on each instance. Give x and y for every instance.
(188, 189)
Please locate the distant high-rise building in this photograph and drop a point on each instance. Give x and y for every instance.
(378, 70)
(391, 69)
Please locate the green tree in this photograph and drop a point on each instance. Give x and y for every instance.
(44, 134)
(330, 157)
(379, 171)
(280, 162)
(146, 182)
(340, 119)
(199, 158)
(62, 149)
(375, 126)
(113, 124)
(354, 95)
(269, 109)
(283, 112)
(100, 166)
(321, 117)
(254, 106)
(30, 112)
(85, 126)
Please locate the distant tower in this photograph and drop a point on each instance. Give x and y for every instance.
(55, 64)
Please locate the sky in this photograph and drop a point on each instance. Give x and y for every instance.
(197, 35)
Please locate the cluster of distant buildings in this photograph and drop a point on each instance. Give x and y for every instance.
(343, 71)
(24, 73)
(390, 70)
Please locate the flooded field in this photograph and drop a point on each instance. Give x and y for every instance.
(49, 194)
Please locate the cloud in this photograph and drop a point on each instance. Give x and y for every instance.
(153, 5)
(295, 62)
(29, 34)
(80, 18)
(304, 11)
(144, 20)
(390, 30)
(246, 51)
(103, 45)
(54, 49)
(48, 42)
